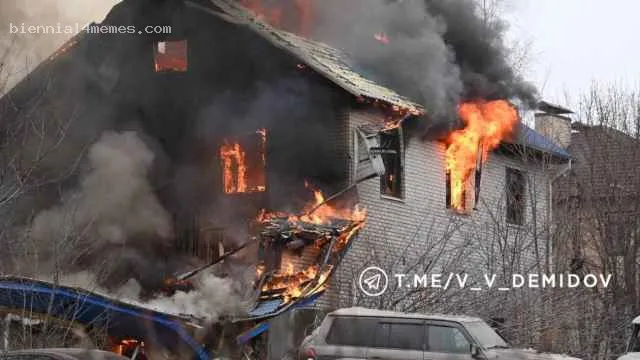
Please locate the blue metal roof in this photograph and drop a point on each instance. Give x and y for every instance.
(528, 137)
(117, 318)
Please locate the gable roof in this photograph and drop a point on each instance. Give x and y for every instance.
(326, 60)
(606, 163)
(332, 64)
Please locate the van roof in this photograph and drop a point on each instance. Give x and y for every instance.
(360, 311)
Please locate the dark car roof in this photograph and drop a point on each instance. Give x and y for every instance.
(69, 353)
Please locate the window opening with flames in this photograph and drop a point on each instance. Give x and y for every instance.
(243, 163)
(171, 56)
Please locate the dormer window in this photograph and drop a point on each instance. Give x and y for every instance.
(171, 56)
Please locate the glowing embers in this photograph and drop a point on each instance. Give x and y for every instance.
(130, 348)
(243, 162)
(171, 56)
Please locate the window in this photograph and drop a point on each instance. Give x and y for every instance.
(446, 339)
(391, 146)
(406, 336)
(170, 56)
(381, 339)
(455, 199)
(347, 331)
(515, 182)
(243, 163)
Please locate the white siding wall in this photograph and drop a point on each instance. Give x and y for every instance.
(420, 230)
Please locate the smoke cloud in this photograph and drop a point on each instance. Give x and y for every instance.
(113, 236)
(436, 52)
(114, 216)
(20, 53)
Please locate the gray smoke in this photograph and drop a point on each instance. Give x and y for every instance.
(21, 52)
(439, 52)
(113, 223)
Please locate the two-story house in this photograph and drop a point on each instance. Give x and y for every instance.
(225, 88)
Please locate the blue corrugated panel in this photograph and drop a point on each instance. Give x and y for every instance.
(253, 332)
(533, 139)
(266, 307)
(119, 319)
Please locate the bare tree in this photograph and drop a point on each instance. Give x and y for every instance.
(597, 211)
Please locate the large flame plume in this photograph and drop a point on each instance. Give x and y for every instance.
(487, 124)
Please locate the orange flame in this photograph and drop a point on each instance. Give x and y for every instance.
(487, 124)
(293, 284)
(235, 168)
(319, 212)
(126, 345)
(302, 11)
(234, 181)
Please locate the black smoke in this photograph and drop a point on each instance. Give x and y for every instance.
(440, 52)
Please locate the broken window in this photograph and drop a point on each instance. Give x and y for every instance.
(456, 193)
(170, 56)
(391, 152)
(243, 162)
(516, 185)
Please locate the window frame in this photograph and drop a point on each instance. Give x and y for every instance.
(350, 320)
(399, 194)
(516, 220)
(470, 340)
(406, 322)
(465, 194)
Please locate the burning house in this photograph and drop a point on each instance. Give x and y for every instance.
(251, 129)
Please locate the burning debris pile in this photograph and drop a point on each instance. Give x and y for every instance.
(327, 229)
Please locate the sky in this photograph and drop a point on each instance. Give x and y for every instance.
(576, 42)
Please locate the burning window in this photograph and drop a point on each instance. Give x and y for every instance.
(243, 162)
(391, 182)
(170, 56)
(456, 193)
(515, 181)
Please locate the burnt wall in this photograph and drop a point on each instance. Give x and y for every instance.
(236, 83)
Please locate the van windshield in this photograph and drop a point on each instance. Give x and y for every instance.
(485, 334)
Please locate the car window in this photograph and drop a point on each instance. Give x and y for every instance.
(406, 336)
(351, 331)
(381, 338)
(446, 339)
